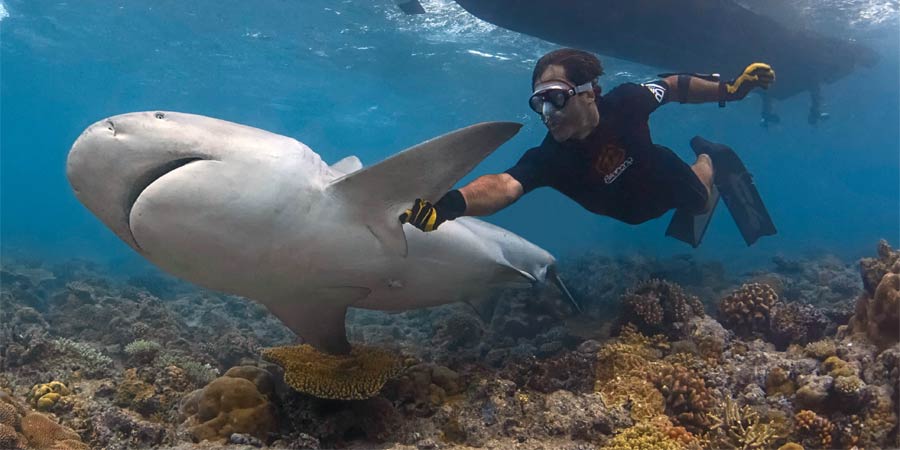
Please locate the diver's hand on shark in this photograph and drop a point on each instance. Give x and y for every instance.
(428, 217)
(423, 216)
(756, 75)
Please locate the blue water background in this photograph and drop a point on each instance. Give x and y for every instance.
(361, 78)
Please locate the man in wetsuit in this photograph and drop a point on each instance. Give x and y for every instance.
(598, 150)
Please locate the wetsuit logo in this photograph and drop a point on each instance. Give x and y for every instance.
(619, 170)
(612, 162)
(658, 91)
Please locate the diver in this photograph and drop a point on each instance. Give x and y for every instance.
(598, 152)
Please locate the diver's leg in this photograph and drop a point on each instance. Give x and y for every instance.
(703, 168)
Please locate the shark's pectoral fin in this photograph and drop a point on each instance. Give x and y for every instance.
(320, 319)
(380, 193)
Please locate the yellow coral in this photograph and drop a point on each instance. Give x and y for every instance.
(46, 395)
(649, 436)
(357, 376)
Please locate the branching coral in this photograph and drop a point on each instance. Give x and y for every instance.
(357, 376)
(740, 427)
(747, 310)
(94, 362)
(658, 306)
(143, 351)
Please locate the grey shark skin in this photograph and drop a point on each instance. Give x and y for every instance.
(252, 213)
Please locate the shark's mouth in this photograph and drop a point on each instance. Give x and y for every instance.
(146, 180)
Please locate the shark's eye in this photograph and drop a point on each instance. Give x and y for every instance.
(160, 115)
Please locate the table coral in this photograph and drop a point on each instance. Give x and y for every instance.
(357, 376)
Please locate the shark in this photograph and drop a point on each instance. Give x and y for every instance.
(252, 213)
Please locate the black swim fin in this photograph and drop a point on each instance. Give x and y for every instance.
(735, 185)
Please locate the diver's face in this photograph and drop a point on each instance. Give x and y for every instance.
(577, 117)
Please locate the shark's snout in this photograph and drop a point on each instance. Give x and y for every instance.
(117, 158)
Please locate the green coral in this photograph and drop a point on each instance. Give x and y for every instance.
(94, 361)
(143, 350)
(197, 372)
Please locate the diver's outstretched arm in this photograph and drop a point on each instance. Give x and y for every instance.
(484, 196)
(695, 88)
(488, 194)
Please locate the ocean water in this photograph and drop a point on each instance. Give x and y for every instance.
(362, 78)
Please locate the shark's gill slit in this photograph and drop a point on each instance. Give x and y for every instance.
(152, 175)
(146, 180)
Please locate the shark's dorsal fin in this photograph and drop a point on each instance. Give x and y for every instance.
(382, 192)
(347, 165)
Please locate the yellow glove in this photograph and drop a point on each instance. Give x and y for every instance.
(427, 217)
(755, 75)
(422, 215)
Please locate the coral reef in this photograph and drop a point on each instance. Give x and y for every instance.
(357, 376)
(816, 431)
(518, 371)
(877, 312)
(740, 427)
(21, 429)
(688, 400)
(237, 402)
(658, 306)
(747, 310)
(46, 395)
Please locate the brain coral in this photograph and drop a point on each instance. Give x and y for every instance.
(229, 404)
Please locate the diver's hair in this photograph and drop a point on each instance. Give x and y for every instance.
(581, 67)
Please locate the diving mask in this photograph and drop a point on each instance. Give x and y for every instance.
(554, 95)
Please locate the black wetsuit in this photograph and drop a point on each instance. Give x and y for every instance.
(617, 171)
